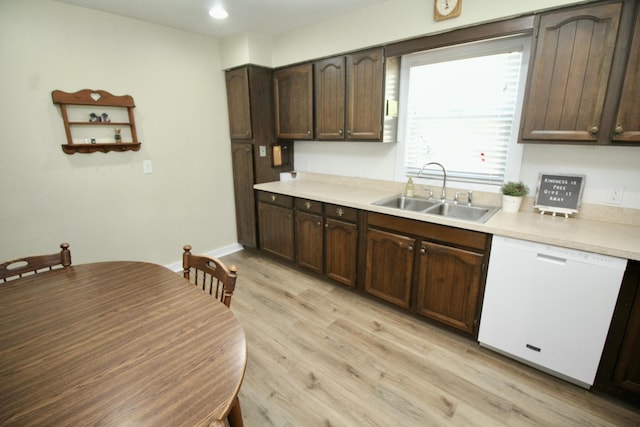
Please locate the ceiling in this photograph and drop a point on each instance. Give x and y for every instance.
(269, 17)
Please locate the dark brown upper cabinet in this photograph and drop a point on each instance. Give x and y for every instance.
(238, 102)
(349, 96)
(365, 95)
(575, 79)
(329, 79)
(627, 124)
(571, 69)
(293, 87)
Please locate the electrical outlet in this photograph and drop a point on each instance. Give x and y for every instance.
(615, 195)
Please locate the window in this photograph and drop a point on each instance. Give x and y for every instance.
(460, 106)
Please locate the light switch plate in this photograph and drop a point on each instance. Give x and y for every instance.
(263, 151)
(147, 167)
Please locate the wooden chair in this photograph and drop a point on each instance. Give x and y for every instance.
(19, 267)
(215, 278)
(210, 274)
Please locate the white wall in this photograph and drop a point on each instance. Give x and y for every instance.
(103, 204)
(384, 22)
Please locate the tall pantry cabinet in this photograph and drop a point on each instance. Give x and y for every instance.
(251, 126)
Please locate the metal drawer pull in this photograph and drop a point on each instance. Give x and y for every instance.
(273, 197)
(307, 205)
(339, 211)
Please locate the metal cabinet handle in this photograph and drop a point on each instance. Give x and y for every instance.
(319, 224)
(410, 248)
(423, 250)
(308, 132)
(619, 129)
(273, 197)
(339, 211)
(340, 132)
(594, 130)
(307, 205)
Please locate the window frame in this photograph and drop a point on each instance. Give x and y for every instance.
(465, 50)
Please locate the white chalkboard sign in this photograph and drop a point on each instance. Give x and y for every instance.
(559, 193)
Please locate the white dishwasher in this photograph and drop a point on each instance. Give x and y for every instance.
(550, 307)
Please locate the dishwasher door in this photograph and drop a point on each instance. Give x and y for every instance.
(549, 306)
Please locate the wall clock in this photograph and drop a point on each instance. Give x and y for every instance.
(445, 9)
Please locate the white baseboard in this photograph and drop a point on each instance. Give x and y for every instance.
(216, 253)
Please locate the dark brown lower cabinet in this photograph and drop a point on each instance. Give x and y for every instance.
(619, 370)
(389, 266)
(276, 226)
(341, 251)
(309, 235)
(433, 270)
(327, 240)
(449, 283)
(243, 180)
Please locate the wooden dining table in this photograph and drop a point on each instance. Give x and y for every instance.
(116, 343)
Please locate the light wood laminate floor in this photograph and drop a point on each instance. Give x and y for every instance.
(322, 355)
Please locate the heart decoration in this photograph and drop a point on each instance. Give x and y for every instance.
(95, 96)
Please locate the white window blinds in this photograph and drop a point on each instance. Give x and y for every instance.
(461, 110)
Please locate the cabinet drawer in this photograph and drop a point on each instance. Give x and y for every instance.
(275, 199)
(340, 212)
(311, 206)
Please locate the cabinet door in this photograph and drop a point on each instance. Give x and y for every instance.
(449, 285)
(365, 82)
(627, 371)
(570, 72)
(242, 161)
(627, 125)
(309, 234)
(238, 102)
(329, 78)
(293, 88)
(389, 266)
(341, 251)
(276, 230)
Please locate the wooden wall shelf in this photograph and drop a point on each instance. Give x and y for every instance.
(97, 98)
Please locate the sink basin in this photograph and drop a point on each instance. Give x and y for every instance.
(414, 204)
(465, 212)
(435, 207)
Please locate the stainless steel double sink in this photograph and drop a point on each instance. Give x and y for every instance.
(475, 213)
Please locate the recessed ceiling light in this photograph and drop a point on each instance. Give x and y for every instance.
(218, 12)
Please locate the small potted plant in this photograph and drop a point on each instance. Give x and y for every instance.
(512, 194)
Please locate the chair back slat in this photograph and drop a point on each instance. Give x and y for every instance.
(20, 267)
(210, 274)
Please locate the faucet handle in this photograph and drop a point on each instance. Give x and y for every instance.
(429, 191)
(469, 197)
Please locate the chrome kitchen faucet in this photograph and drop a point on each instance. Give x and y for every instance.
(443, 196)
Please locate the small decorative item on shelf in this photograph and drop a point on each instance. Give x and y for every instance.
(105, 118)
(512, 195)
(117, 135)
(93, 117)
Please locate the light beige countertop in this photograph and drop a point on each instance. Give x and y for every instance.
(600, 237)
